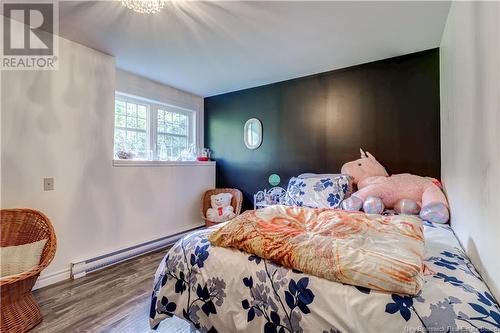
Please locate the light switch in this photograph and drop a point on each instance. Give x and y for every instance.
(48, 184)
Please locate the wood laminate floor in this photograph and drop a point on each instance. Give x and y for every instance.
(115, 299)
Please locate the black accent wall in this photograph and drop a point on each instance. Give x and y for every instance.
(316, 123)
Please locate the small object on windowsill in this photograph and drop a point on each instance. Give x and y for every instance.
(204, 155)
(125, 155)
(188, 154)
(266, 198)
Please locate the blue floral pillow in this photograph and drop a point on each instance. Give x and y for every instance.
(318, 192)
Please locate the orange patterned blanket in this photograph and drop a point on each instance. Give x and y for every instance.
(373, 251)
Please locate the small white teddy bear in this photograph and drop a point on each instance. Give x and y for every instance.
(221, 208)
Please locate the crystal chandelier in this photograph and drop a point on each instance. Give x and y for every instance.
(144, 6)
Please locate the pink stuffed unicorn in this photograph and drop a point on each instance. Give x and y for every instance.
(374, 181)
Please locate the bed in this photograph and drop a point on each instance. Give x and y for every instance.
(226, 290)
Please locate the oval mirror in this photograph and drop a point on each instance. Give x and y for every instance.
(252, 133)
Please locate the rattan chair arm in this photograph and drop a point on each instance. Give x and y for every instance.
(52, 249)
(47, 259)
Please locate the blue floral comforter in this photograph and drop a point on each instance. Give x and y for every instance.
(224, 290)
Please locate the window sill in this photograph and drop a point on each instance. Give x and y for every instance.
(139, 163)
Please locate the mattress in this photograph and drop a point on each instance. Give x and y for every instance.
(226, 290)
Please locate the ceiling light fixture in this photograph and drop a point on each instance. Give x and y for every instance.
(144, 6)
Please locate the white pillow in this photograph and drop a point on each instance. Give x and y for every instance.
(350, 189)
(318, 192)
(20, 258)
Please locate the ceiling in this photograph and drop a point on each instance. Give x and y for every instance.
(209, 48)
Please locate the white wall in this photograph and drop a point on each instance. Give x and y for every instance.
(470, 131)
(60, 124)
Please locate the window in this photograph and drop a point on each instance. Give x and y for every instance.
(131, 128)
(148, 130)
(172, 135)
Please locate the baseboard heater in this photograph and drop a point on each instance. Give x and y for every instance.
(81, 268)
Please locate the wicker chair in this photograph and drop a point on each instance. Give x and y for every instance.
(236, 202)
(19, 311)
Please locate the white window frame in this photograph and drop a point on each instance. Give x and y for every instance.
(152, 125)
(191, 135)
(128, 99)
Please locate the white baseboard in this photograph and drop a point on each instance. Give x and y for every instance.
(51, 278)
